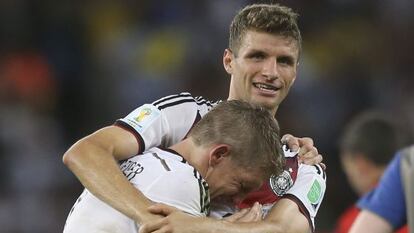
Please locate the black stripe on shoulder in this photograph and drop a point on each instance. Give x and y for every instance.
(317, 169)
(184, 94)
(320, 171)
(175, 103)
(200, 100)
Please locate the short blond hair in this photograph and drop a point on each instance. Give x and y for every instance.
(250, 130)
(270, 18)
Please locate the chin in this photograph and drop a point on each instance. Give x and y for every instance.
(268, 104)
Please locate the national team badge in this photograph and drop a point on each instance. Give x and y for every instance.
(282, 183)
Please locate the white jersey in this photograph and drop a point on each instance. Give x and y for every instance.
(303, 184)
(168, 121)
(161, 175)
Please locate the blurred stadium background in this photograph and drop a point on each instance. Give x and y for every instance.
(68, 68)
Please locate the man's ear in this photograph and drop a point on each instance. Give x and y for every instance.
(218, 153)
(227, 61)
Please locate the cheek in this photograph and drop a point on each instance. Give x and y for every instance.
(290, 79)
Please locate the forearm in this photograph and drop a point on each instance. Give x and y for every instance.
(285, 216)
(230, 227)
(98, 171)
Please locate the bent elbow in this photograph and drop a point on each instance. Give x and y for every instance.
(72, 155)
(67, 157)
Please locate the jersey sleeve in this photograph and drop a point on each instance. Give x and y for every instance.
(308, 190)
(387, 199)
(163, 122)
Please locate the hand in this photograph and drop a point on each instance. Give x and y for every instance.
(174, 221)
(252, 214)
(308, 154)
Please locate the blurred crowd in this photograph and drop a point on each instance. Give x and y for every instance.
(68, 68)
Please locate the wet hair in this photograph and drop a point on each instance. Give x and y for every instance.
(251, 132)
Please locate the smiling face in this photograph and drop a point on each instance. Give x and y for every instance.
(263, 69)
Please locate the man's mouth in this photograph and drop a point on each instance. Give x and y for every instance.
(265, 87)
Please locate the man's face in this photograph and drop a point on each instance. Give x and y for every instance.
(263, 70)
(230, 182)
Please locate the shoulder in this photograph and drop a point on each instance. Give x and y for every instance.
(184, 100)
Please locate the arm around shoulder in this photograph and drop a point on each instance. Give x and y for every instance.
(93, 160)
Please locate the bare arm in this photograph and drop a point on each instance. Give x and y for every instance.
(93, 160)
(285, 214)
(289, 220)
(370, 222)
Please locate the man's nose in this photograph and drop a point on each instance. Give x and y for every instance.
(270, 69)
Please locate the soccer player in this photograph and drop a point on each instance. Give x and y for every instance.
(384, 209)
(177, 176)
(262, 60)
(367, 146)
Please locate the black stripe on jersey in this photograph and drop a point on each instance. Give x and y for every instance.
(204, 193)
(183, 99)
(164, 164)
(200, 100)
(176, 103)
(184, 94)
(320, 171)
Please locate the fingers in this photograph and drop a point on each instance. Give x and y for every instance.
(306, 141)
(236, 216)
(257, 210)
(253, 214)
(161, 209)
(308, 151)
(309, 155)
(155, 226)
(291, 141)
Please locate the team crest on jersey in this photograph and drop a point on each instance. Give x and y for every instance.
(282, 183)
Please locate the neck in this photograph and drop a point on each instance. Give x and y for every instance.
(195, 155)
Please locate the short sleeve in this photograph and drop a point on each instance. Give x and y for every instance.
(163, 122)
(308, 190)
